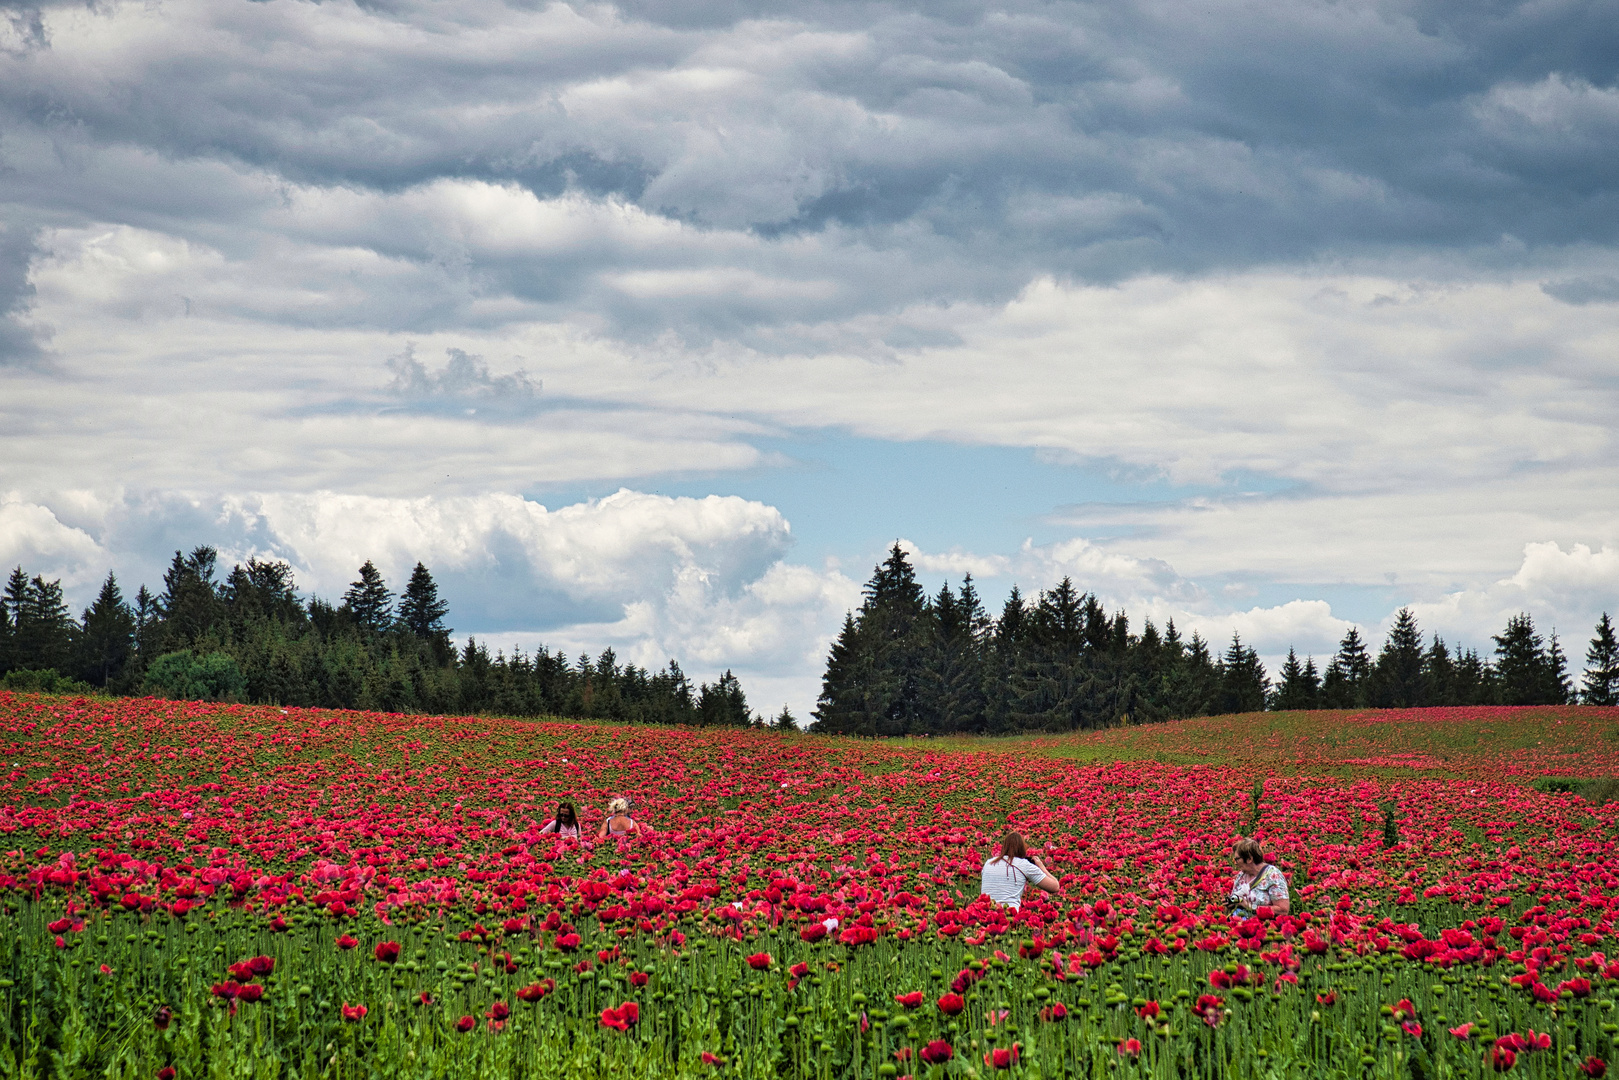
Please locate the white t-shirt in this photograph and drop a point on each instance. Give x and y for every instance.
(1004, 879)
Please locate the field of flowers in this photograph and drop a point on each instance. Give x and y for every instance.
(194, 890)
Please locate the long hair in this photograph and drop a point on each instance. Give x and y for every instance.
(1012, 847)
(565, 807)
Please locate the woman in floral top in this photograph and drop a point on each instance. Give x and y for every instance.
(1258, 883)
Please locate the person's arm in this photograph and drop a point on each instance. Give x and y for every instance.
(601, 830)
(1047, 883)
(551, 827)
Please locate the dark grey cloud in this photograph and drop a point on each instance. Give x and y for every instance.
(463, 376)
(18, 343)
(928, 153)
(1597, 289)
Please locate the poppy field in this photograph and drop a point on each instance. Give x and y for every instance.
(202, 890)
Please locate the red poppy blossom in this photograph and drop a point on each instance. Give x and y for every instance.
(353, 1014)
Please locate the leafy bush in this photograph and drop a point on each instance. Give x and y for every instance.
(184, 676)
(44, 681)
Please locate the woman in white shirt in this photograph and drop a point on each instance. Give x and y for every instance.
(566, 823)
(1006, 874)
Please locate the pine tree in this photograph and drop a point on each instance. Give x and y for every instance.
(421, 612)
(1557, 689)
(42, 630)
(1396, 680)
(368, 600)
(1299, 687)
(1344, 684)
(1439, 674)
(785, 720)
(108, 637)
(1522, 664)
(11, 605)
(1243, 685)
(952, 697)
(189, 605)
(1601, 683)
(846, 685)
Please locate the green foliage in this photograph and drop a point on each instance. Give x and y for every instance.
(46, 681)
(252, 638)
(1391, 827)
(1601, 683)
(185, 676)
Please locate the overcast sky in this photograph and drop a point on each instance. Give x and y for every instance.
(653, 325)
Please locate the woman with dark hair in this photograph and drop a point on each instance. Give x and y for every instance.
(1259, 882)
(1007, 873)
(566, 823)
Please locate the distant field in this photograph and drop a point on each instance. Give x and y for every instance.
(231, 890)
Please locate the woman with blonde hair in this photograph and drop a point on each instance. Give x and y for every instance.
(619, 825)
(1259, 882)
(1007, 873)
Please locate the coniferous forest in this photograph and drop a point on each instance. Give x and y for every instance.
(251, 637)
(908, 664)
(905, 663)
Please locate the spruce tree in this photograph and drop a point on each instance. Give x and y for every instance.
(1601, 683)
(108, 636)
(1397, 678)
(1344, 684)
(189, 606)
(421, 612)
(785, 720)
(1523, 668)
(368, 600)
(1299, 687)
(1439, 674)
(1243, 685)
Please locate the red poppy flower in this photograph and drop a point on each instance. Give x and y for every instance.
(1130, 1048)
(759, 961)
(465, 1024)
(952, 1004)
(1502, 1058)
(1594, 1066)
(1002, 1057)
(387, 951)
(911, 1000)
(1150, 1010)
(937, 1052)
(347, 941)
(353, 1014)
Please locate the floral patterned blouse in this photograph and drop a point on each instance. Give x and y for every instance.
(1267, 887)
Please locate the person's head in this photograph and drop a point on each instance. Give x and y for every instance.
(1012, 846)
(1248, 855)
(566, 814)
(618, 806)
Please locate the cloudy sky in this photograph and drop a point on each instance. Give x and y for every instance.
(652, 325)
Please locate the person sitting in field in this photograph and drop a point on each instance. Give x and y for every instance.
(1258, 883)
(1006, 874)
(619, 825)
(566, 823)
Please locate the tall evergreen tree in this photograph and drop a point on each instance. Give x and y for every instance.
(1397, 679)
(1243, 684)
(1601, 683)
(42, 629)
(421, 612)
(1439, 673)
(1344, 684)
(368, 600)
(1524, 667)
(189, 606)
(1300, 686)
(108, 638)
(12, 603)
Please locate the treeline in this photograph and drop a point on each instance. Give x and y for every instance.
(251, 637)
(908, 663)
